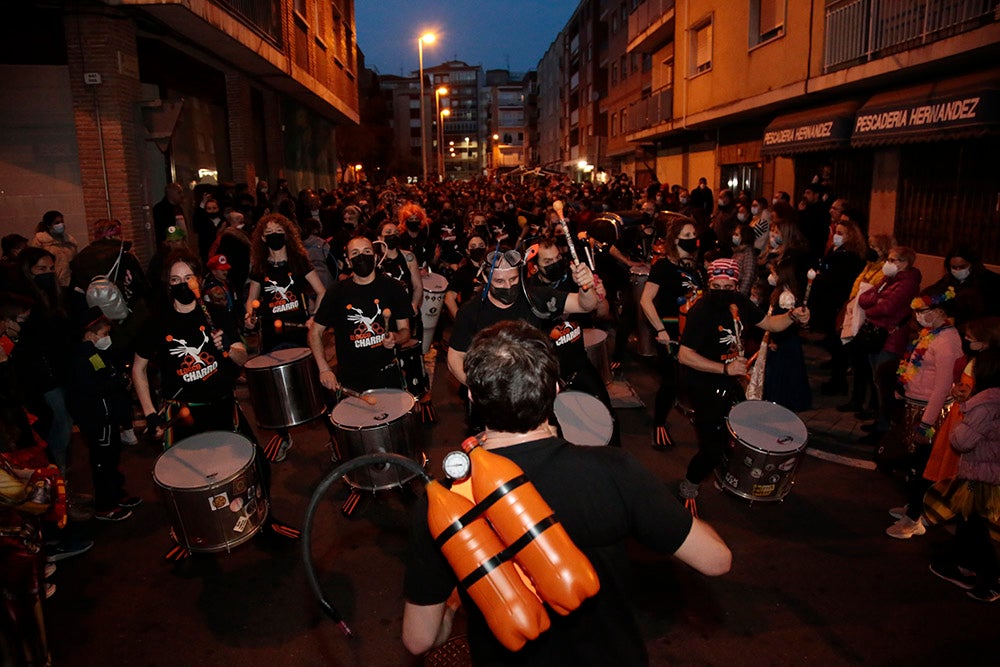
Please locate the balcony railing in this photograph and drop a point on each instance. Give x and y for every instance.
(861, 30)
(651, 111)
(646, 15)
(262, 15)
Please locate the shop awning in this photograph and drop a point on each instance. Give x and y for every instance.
(957, 108)
(820, 129)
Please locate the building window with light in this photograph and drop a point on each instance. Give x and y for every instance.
(767, 20)
(614, 124)
(700, 50)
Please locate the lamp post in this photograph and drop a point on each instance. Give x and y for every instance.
(426, 38)
(440, 114)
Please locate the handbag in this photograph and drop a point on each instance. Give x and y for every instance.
(871, 337)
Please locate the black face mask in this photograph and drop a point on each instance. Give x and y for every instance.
(505, 295)
(46, 281)
(274, 241)
(871, 255)
(482, 230)
(722, 296)
(554, 271)
(182, 294)
(413, 225)
(477, 254)
(689, 246)
(391, 242)
(363, 265)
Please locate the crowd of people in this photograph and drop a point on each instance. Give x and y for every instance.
(91, 333)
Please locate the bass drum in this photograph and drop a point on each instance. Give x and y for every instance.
(767, 443)
(583, 419)
(284, 388)
(390, 425)
(211, 492)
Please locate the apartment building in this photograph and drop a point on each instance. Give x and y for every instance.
(109, 100)
(508, 100)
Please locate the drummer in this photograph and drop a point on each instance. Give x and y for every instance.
(575, 367)
(711, 352)
(401, 265)
(467, 278)
(362, 310)
(281, 276)
(199, 353)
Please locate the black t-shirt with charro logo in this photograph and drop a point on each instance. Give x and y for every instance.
(715, 334)
(282, 297)
(191, 368)
(355, 313)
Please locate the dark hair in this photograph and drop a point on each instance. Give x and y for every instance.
(987, 369)
(12, 305)
(12, 242)
(985, 330)
(966, 252)
(180, 255)
(511, 371)
(298, 258)
(47, 220)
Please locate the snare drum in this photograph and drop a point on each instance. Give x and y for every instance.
(596, 342)
(767, 443)
(435, 286)
(210, 488)
(643, 332)
(411, 364)
(583, 419)
(284, 388)
(391, 425)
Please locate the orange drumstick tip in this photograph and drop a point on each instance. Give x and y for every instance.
(370, 400)
(278, 324)
(170, 338)
(255, 303)
(192, 284)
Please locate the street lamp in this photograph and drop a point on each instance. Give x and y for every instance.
(426, 38)
(442, 115)
(439, 114)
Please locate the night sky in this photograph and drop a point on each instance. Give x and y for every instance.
(513, 34)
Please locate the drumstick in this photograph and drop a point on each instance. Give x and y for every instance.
(810, 276)
(192, 284)
(558, 206)
(737, 328)
(353, 393)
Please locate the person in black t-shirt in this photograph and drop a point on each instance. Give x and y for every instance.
(362, 310)
(465, 280)
(402, 266)
(601, 496)
(712, 353)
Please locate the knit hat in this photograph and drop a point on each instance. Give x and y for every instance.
(219, 263)
(175, 233)
(933, 299)
(724, 268)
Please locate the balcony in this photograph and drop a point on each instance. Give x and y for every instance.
(651, 111)
(857, 31)
(264, 17)
(650, 25)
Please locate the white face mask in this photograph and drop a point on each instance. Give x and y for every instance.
(838, 240)
(890, 269)
(103, 343)
(772, 280)
(736, 240)
(58, 228)
(787, 300)
(926, 319)
(960, 274)
(722, 202)
(755, 210)
(742, 217)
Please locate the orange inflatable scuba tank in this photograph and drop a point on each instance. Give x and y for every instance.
(513, 613)
(561, 574)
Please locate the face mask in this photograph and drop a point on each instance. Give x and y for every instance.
(724, 296)
(742, 217)
(772, 280)
(787, 300)
(58, 228)
(838, 240)
(776, 241)
(477, 254)
(46, 281)
(391, 241)
(690, 246)
(774, 201)
(554, 271)
(755, 210)
(722, 203)
(274, 241)
(683, 200)
(413, 225)
(182, 294)
(736, 240)
(103, 343)
(215, 219)
(363, 265)
(889, 269)
(505, 295)
(871, 255)
(925, 319)
(960, 274)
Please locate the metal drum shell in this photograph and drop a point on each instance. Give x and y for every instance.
(284, 388)
(205, 517)
(399, 435)
(435, 286)
(645, 339)
(596, 342)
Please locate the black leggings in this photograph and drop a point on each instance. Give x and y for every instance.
(711, 405)
(666, 395)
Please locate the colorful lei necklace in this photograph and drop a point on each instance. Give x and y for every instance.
(911, 363)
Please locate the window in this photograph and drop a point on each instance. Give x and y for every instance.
(614, 124)
(767, 20)
(300, 8)
(623, 67)
(614, 74)
(621, 121)
(700, 52)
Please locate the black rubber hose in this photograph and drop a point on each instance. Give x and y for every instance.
(321, 489)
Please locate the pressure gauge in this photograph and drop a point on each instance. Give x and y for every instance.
(456, 465)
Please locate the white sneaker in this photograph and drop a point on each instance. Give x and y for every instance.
(906, 528)
(129, 438)
(898, 512)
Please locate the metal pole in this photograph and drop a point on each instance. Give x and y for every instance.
(423, 116)
(440, 134)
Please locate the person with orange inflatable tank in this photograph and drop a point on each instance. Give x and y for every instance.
(582, 503)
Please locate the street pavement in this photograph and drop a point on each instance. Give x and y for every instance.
(814, 580)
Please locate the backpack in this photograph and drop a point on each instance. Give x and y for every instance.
(104, 293)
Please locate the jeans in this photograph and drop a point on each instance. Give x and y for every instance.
(60, 429)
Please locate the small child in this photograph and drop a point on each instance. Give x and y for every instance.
(99, 403)
(217, 289)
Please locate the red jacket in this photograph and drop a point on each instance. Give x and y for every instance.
(888, 306)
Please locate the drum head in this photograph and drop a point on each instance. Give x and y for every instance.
(434, 282)
(278, 357)
(584, 420)
(594, 337)
(390, 404)
(640, 270)
(767, 426)
(203, 460)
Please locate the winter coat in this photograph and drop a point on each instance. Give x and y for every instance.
(888, 306)
(64, 249)
(977, 438)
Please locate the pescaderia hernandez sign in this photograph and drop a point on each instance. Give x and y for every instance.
(814, 131)
(903, 118)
